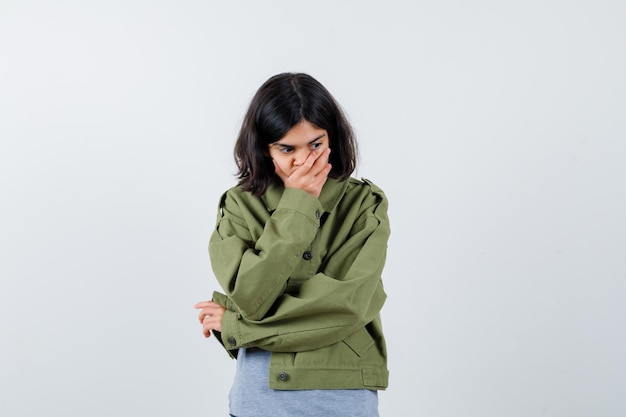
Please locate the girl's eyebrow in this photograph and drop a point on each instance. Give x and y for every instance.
(310, 142)
(317, 138)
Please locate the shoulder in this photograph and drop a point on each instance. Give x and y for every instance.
(238, 202)
(366, 189)
(237, 194)
(366, 198)
(230, 197)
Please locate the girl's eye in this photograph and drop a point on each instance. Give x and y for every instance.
(316, 145)
(286, 149)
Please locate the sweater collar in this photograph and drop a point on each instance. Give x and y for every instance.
(331, 194)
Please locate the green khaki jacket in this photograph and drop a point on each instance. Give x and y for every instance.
(302, 279)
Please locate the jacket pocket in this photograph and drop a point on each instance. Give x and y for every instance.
(359, 341)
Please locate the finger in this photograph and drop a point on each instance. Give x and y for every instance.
(212, 323)
(202, 315)
(321, 179)
(213, 326)
(321, 155)
(325, 157)
(206, 332)
(208, 312)
(202, 304)
(207, 304)
(205, 312)
(305, 168)
(321, 162)
(322, 176)
(311, 159)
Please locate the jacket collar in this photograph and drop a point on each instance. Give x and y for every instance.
(331, 194)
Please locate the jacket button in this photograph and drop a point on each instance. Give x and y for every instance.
(318, 214)
(232, 341)
(283, 376)
(308, 255)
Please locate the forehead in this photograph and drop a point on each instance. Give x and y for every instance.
(303, 133)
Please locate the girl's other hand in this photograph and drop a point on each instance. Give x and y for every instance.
(210, 316)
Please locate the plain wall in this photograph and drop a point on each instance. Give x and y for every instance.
(496, 129)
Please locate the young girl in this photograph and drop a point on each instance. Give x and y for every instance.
(299, 249)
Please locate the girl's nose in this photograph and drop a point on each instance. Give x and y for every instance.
(299, 158)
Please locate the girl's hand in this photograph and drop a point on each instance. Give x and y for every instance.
(310, 176)
(210, 316)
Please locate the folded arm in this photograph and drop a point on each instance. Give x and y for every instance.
(343, 297)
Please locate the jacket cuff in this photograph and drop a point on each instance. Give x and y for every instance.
(302, 202)
(222, 300)
(231, 338)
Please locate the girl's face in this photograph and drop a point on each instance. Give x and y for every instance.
(291, 150)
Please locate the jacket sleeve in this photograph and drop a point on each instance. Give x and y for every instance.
(253, 267)
(343, 297)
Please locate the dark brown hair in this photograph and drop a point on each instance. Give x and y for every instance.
(280, 103)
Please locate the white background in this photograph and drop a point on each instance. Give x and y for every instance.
(496, 128)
